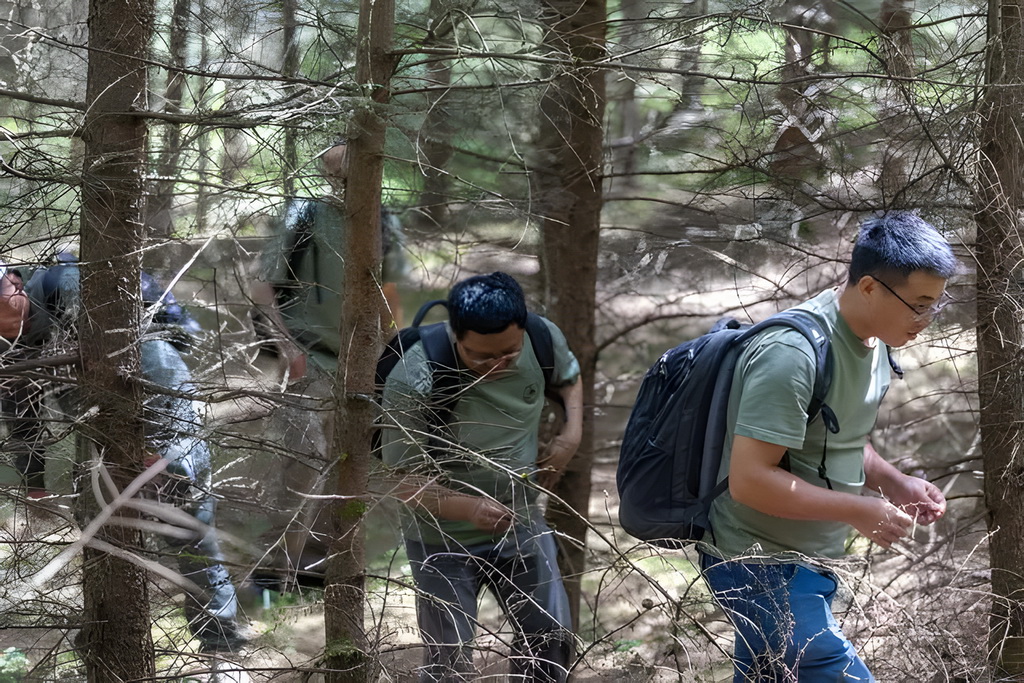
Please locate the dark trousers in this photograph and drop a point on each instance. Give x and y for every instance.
(522, 572)
(21, 401)
(174, 430)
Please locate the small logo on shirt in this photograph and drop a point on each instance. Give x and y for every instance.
(530, 393)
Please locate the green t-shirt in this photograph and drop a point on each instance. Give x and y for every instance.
(310, 275)
(493, 439)
(771, 391)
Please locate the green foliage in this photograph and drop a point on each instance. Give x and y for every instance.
(13, 665)
(627, 645)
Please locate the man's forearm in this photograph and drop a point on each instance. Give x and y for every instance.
(572, 400)
(441, 502)
(757, 481)
(879, 474)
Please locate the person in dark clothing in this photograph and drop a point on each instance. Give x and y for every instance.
(173, 433)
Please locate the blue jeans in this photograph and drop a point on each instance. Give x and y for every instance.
(174, 430)
(521, 571)
(785, 630)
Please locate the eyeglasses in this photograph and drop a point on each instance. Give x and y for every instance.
(476, 358)
(921, 311)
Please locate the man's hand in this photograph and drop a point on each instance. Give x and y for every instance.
(489, 515)
(920, 499)
(292, 361)
(880, 521)
(552, 465)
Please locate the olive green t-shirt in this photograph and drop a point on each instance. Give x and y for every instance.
(771, 391)
(493, 442)
(309, 272)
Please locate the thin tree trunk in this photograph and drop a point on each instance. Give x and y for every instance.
(435, 135)
(349, 658)
(159, 205)
(567, 181)
(895, 23)
(624, 117)
(203, 136)
(1000, 255)
(115, 642)
(290, 68)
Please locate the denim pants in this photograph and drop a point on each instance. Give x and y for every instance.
(522, 572)
(173, 429)
(785, 630)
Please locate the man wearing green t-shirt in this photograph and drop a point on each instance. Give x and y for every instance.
(471, 492)
(782, 516)
(298, 296)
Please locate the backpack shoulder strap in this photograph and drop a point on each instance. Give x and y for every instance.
(300, 240)
(807, 324)
(300, 230)
(543, 346)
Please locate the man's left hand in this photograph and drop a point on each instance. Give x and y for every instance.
(552, 465)
(920, 499)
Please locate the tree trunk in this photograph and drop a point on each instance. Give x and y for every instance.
(115, 642)
(567, 179)
(203, 136)
(625, 122)
(290, 68)
(1001, 381)
(436, 132)
(895, 22)
(348, 651)
(159, 205)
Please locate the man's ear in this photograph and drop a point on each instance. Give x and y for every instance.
(866, 285)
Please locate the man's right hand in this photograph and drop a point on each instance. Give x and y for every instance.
(880, 521)
(292, 360)
(490, 515)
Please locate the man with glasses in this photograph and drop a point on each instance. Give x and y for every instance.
(781, 520)
(471, 485)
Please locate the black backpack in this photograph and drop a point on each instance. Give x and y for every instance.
(447, 377)
(55, 293)
(300, 219)
(672, 448)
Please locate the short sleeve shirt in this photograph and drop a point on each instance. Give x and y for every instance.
(310, 272)
(493, 445)
(771, 392)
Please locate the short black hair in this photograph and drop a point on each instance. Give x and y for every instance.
(486, 304)
(898, 243)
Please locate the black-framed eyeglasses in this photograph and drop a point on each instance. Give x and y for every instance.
(921, 311)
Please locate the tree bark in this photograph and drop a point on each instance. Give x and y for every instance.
(290, 68)
(115, 642)
(349, 658)
(436, 133)
(159, 205)
(567, 182)
(1001, 380)
(895, 23)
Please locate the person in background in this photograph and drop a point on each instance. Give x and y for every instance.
(298, 295)
(173, 433)
(20, 396)
(300, 287)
